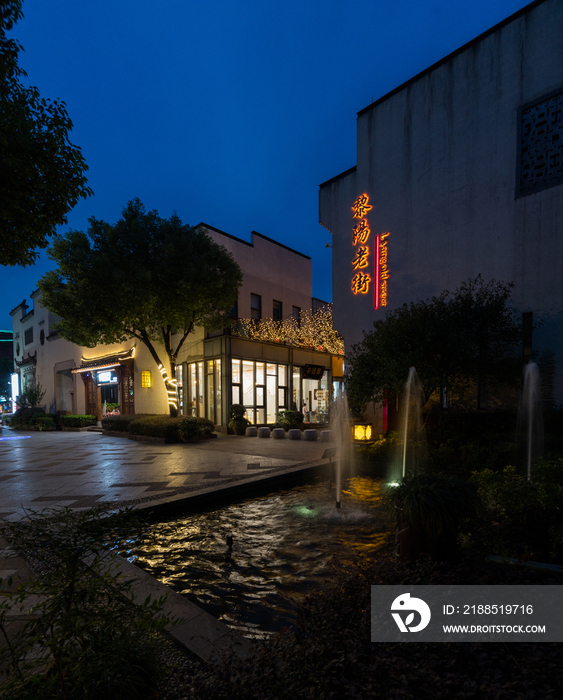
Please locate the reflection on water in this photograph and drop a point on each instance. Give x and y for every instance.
(282, 549)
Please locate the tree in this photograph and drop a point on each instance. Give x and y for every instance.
(42, 173)
(145, 277)
(455, 341)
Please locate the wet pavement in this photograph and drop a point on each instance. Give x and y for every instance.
(81, 469)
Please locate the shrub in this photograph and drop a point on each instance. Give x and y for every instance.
(157, 426)
(77, 421)
(84, 640)
(428, 509)
(189, 429)
(521, 518)
(120, 423)
(289, 419)
(207, 427)
(238, 422)
(380, 452)
(44, 422)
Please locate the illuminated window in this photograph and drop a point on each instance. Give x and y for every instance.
(146, 379)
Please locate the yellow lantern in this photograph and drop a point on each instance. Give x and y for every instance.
(362, 432)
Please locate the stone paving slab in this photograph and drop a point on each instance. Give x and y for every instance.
(52, 469)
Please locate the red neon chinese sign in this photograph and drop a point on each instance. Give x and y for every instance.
(360, 234)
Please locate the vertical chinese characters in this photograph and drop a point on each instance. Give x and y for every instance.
(361, 262)
(361, 280)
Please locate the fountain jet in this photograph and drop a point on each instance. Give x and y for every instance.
(413, 435)
(530, 418)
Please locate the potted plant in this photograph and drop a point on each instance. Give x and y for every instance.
(427, 510)
(238, 423)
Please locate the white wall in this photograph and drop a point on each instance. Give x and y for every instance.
(438, 157)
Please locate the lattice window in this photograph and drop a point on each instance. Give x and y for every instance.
(28, 336)
(540, 145)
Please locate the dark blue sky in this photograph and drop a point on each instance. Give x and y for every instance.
(231, 113)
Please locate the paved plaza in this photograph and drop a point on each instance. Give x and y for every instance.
(81, 469)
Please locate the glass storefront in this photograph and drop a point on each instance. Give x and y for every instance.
(261, 387)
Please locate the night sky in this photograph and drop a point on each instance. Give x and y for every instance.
(230, 113)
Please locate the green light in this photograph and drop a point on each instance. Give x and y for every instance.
(305, 511)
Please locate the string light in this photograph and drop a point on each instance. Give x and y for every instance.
(312, 330)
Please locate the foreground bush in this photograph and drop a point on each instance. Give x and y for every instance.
(85, 640)
(289, 419)
(77, 421)
(330, 654)
(189, 429)
(157, 426)
(120, 423)
(521, 518)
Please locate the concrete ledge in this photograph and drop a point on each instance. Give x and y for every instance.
(194, 628)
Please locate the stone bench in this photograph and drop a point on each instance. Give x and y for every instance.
(251, 431)
(310, 434)
(278, 433)
(326, 436)
(294, 434)
(264, 432)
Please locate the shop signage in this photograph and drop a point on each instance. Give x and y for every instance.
(362, 279)
(107, 377)
(313, 372)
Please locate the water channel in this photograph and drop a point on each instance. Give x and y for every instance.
(285, 544)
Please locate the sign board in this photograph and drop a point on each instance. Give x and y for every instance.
(107, 377)
(313, 372)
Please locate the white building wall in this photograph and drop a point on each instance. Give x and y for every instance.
(438, 159)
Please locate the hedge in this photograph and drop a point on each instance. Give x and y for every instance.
(76, 421)
(156, 426)
(121, 423)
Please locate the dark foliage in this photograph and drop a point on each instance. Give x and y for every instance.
(330, 654)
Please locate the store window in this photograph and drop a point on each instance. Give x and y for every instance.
(180, 382)
(315, 393)
(261, 388)
(195, 388)
(201, 394)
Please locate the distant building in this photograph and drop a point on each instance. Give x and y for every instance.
(6, 356)
(459, 173)
(213, 371)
